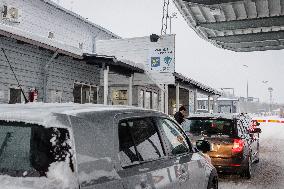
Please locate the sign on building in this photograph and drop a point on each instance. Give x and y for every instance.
(158, 57)
(161, 59)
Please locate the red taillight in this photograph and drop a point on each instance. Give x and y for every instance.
(238, 146)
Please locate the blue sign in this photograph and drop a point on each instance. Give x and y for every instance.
(168, 60)
(155, 62)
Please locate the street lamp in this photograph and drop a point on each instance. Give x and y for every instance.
(174, 15)
(246, 66)
(270, 93)
(270, 89)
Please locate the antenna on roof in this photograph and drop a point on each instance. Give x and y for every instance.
(165, 17)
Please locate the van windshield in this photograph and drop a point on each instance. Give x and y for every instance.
(28, 149)
(207, 126)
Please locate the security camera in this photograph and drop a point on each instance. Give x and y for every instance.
(154, 38)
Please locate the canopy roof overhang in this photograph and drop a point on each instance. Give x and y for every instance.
(120, 66)
(197, 85)
(237, 25)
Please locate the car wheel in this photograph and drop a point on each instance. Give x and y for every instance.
(247, 172)
(213, 182)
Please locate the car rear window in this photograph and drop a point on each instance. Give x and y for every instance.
(29, 149)
(208, 126)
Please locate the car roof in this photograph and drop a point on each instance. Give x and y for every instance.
(216, 115)
(42, 113)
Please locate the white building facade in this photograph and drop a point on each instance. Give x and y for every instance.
(46, 19)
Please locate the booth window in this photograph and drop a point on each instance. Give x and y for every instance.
(155, 99)
(84, 93)
(15, 96)
(148, 99)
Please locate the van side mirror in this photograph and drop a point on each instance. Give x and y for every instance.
(203, 146)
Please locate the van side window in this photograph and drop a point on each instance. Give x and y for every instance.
(138, 141)
(127, 149)
(175, 138)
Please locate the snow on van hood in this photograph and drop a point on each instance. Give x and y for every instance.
(59, 176)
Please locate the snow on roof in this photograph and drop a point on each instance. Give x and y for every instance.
(80, 17)
(54, 45)
(37, 40)
(196, 83)
(116, 62)
(132, 63)
(43, 113)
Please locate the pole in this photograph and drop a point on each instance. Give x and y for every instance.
(209, 104)
(195, 101)
(270, 101)
(247, 90)
(166, 99)
(177, 97)
(130, 90)
(170, 25)
(246, 66)
(270, 89)
(106, 71)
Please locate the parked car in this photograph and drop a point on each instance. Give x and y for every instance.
(234, 140)
(95, 146)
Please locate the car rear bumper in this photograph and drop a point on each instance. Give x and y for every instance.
(229, 165)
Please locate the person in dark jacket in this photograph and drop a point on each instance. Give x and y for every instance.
(179, 116)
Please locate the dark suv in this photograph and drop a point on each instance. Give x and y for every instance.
(234, 140)
(75, 146)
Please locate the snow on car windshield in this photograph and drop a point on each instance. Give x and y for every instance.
(27, 150)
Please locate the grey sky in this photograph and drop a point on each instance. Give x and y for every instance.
(195, 57)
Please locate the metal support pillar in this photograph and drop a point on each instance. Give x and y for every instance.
(177, 97)
(162, 104)
(195, 101)
(106, 72)
(209, 104)
(130, 90)
(166, 99)
(215, 105)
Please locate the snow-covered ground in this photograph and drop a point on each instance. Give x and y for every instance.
(269, 172)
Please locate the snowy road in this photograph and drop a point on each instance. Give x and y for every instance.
(269, 172)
